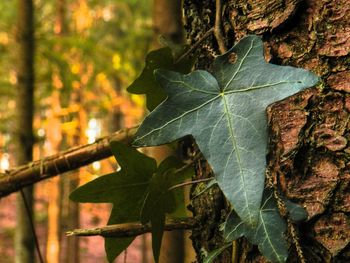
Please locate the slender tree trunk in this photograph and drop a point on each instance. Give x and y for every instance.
(55, 137)
(72, 219)
(309, 132)
(23, 136)
(69, 211)
(167, 22)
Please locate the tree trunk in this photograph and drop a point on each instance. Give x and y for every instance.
(71, 216)
(54, 136)
(167, 22)
(23, 134)
(308, 149)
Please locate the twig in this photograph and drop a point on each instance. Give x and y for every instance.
(32, 227)
(217, 28)
(195, 45)
(131, 229)
(190, 163)
(296, 241)
(191, 182)
(17, 178)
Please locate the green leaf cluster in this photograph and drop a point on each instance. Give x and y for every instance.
(139, 191)
(225, 113)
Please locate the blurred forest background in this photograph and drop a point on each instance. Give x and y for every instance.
(86, 53)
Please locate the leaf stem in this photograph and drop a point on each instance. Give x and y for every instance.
(195, 45)
(189, 164)
(218, 27)
(32, 226)
(191, 182)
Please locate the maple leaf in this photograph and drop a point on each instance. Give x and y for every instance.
(225, 113)
(133, 190)
(162, 200)
(125, 189)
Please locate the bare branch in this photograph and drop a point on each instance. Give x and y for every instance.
(131, 229)
(17, 178)
(195, 45)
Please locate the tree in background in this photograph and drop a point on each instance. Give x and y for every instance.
(110, 48)
(168, 24)
(23, 134)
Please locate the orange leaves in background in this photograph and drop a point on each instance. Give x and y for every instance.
(82, 16)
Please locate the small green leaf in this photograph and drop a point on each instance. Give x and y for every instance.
(297, 213)
(146, 83)
(162, 200)
(125, 189)
(268, 234)
(213, 254)
(158, 202)
(139, 191)
(115, 246)
(234, 228)
(225, 113)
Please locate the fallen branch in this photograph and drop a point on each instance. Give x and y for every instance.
(17, 178)
(131, 229)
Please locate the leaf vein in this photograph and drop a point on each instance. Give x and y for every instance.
(239, 66)
(175, 119)
(234, 143)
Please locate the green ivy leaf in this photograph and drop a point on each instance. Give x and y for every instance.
(268, 234)
(296, 212)
(132, 191)
(225, 113)
(161, 199)
(146, 83)
(125, 189)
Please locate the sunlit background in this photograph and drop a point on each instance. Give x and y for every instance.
(87, 53)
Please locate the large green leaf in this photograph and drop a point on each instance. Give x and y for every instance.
(268, 234)
(139, 191)
(225, 113)
(146, 83)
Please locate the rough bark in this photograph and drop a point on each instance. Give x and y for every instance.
(23, 134)
(309, 132)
